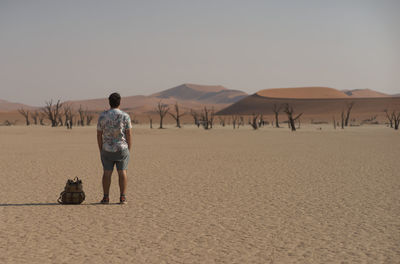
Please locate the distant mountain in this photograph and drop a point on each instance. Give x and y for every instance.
(10, 106)
(396, 95)
(187, 95)
(364, 93)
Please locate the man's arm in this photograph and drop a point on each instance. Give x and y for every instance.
(128, 137)
(100, 139)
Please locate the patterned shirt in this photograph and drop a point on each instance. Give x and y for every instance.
(113, 123)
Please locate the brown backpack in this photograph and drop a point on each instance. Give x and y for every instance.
(73, 192)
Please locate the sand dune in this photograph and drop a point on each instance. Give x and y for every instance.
(176, 91)
(324, 109)
(364, 93)
(195, 196)
(187, 95)
(302, 92)
(10, 106)
(202, 93)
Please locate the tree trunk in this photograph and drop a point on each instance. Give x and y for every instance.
(276, 120)
(292, 125)
(161, 121)
(349, 107)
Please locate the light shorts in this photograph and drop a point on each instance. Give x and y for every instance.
(119, 158)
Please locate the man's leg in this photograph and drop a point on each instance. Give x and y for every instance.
(106, 182)
(123, 181)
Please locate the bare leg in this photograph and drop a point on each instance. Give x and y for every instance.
(123, 181)
(106, 182)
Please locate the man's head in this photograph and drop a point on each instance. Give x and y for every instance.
(114, 99)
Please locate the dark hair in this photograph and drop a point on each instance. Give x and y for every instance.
(114, 99)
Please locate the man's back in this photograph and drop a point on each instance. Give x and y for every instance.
(113, 123)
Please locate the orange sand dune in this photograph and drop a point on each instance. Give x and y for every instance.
(302, 92)
(324, 108)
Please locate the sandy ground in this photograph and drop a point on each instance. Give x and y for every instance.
(195, 196)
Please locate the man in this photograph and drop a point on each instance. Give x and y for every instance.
(115, 140)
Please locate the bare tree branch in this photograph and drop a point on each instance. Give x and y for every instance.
(234, 120)
(35, 116)
(207, 118)
(25, 113)
(289, 111)
(195, 116)
(162, 110)
(349, 107)
(276, 109)
(177, 115)
(221, 120)
(52, 111)
(389, 117)
(253, 122)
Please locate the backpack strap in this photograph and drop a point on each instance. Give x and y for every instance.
(59, 200)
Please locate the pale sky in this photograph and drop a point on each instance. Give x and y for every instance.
(88, 49)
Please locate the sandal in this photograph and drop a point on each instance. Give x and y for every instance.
(122, 199)
(105, 200)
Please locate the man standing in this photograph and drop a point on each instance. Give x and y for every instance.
(115, 140)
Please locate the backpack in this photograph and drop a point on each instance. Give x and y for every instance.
(73, 192)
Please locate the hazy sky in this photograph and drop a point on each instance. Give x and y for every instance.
(88, 49)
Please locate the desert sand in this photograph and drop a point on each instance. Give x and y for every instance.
(196, 196)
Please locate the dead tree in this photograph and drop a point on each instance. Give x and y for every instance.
(9, 123)
(396, 119)
(35, 116)
(276, 109)
(349, 106)
(67, 110)
(241, 121)
(207, 118)
(389, 117)
(234, 120)
(221, 120)
(342, 116)
(52, 111)
(253, 122)
(177, 116)
(289, 111)
(195, 116)
(82, 115)
(261, 121)
(60, 118)
(211, 119)
(299, 123)
(42, 116)
(89, 118)
(25, 113)
(162, 110)
(150, 121)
